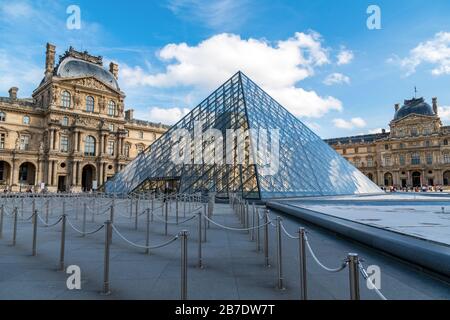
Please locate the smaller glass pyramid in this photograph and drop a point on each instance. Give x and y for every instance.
(240, 140)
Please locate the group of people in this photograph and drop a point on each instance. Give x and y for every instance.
(423, 188)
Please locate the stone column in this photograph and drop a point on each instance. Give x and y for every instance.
(78, 141)
(57, 138)
(75, 141)
(54, 183)
(104, 143)
(77, 173)
(52, 138)
(74, 173)
(100, 173)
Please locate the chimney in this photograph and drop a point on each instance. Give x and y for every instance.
(114, 69)
(435, 106)
(397, 106)
(129, 114)
(13, 93)
(49, 60)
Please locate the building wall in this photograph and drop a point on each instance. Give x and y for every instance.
(51, 123)
(416, 145)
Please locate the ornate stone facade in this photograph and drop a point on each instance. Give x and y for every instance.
(74, 133)
(415, 153)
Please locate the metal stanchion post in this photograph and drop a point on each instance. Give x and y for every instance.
(84, 220)
(47, 202)
(147, 236)
(21, 206)
(184, 238)
(258, 233)
(353, 262)
(2, 211)
(34, 233)
(266, 238)
(176, 208)
(14, 227)
(33, 205)
(204, 219)
(136, 218)
(302, 263)
(64, 208)
(246, 216)
(62, 248)
(184, 206)
(200, 265)
(252, 232)
(131, 207)
(108, 232)
(166, 217)
(93, 212)
(279, 255)
(111, 214)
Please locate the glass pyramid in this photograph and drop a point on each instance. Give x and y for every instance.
(300, 163)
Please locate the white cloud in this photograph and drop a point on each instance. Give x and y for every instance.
(345, 56)
(218, 14)
(349, 124)
(163, 115)
(435, 51)
(336, 78)
(444, 113)
(276, 68)
(377, 130)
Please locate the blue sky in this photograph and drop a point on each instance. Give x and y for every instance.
(317, 58)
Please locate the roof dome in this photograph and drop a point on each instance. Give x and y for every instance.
(72, 67)
(414, 106)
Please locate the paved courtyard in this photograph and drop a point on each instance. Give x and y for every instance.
(233, 269)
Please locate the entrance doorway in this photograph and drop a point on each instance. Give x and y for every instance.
(62, 184)
(87, 177)
(416, 181)
(388, 181)
(403, 183)
(27, 174)
(446, 178)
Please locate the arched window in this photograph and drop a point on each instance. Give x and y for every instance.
(89, 104)
(26, 120)
(89, 146)
(65, 99)
(2, 116)
(111, 108)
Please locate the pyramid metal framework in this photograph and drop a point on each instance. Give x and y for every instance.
(307, 166)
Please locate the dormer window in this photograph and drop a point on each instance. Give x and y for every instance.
(89, 104)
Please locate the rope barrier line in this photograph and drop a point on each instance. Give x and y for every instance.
(234, 229)
(142, 246)
(342, 267)
(366, 277)
(81, 232)
(287, 233)
(49, 225)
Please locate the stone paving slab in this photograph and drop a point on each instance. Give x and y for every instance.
(233, 269)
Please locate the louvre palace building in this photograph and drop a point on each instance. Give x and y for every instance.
(74, 133)
(415, 153)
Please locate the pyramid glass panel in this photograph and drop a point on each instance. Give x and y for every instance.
(250, 128)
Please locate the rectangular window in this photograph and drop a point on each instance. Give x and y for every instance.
(64, 144)
(446, 158)
(111, 148)
(387, 161)
(415, 159)
(429, 158)
(402, 160)
(24, 142)
(2, 141)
